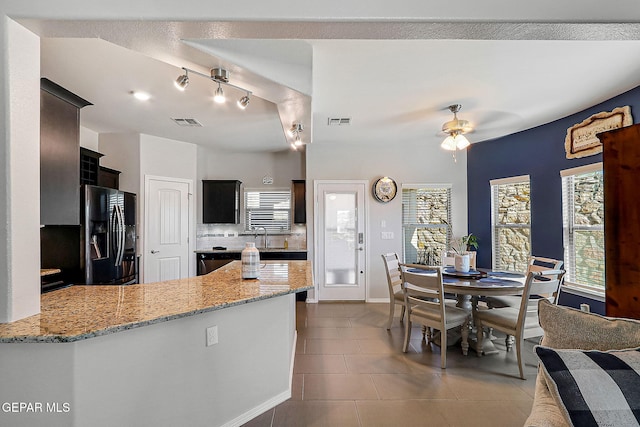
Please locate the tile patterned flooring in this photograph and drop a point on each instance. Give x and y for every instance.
(350, 371)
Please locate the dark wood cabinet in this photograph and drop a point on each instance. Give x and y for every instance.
(109, 178)
(621, 168)
(299, 202)
(59, 154)
(89, 166)
(221, 201)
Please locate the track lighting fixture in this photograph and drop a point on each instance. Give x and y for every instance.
(219, 76)
(456, 129)
(244, 101)
(219, 95)
(182, 81)
(295, 130)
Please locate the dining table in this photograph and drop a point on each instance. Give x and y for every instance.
(469, 286)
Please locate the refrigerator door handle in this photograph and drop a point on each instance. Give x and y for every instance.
(121, 236)
(114, 234)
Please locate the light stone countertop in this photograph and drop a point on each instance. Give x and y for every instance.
(80, 312)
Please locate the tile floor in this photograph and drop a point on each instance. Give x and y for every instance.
(350, 371)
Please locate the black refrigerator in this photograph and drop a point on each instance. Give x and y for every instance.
(108, 236)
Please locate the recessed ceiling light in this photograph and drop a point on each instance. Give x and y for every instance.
(142, 96)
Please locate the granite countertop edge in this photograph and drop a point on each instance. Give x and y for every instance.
(134, 325)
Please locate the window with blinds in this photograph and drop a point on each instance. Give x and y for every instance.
(268, 209)
(426, 220)
(511, 223)
(583, 226)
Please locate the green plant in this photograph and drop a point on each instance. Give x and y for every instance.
(464, 243)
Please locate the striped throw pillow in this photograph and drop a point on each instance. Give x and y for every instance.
(594, 388)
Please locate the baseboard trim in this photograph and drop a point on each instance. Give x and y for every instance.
(378, 300)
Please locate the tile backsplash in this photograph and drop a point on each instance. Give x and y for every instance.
(233, 236)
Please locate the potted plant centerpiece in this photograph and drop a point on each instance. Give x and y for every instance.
(463, 253)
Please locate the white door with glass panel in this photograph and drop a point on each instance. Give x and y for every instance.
(340, 236)
(167, 240)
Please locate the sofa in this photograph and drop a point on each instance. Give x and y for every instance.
(588, 370)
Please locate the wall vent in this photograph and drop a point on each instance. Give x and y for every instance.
(339, 121)
(187, 122)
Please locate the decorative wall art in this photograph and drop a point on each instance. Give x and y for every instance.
(581, 140)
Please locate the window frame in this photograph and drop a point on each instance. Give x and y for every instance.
(495, 184)
(405, 224)
(568, 214)
(277, 229)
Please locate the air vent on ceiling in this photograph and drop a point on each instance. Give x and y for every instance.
(339, 121)
(187, 122)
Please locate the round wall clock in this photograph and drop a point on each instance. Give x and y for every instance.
(384, 189)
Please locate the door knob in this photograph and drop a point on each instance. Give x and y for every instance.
(154, 252)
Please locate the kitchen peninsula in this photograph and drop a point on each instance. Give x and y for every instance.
(213, 349)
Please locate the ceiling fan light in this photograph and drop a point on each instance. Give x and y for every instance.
(218, 97)
(243, 102)
(449, 143)
(461, 142)
(182, 82)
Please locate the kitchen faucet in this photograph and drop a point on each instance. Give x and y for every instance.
(266, 236)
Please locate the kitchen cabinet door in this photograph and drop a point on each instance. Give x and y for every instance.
(59, 155)
(221, 201)
(299, 202)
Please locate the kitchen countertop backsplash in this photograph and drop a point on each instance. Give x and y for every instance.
(234, 237)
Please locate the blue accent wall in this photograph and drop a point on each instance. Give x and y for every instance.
(538, 152)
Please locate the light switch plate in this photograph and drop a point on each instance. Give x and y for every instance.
(386, 235)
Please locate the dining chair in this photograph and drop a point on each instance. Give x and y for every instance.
(522, 322)
(394, 282)
(424, 302)
(536, 264)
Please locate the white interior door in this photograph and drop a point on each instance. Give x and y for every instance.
(167, 239)
(341, 240)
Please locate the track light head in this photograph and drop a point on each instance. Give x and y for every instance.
(182, 81)
(243, 102)
(218, 97)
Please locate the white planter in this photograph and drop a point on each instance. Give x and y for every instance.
(462, 263)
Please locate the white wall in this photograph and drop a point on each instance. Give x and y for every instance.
(168, 158)
(122, 152)
(409, 163)
(249, 168)
(89, 139)
(20, 176)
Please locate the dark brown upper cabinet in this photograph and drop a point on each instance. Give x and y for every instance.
(59, 154)
(221, 201)
(299, 202)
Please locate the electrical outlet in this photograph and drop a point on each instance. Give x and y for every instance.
(585, 308)
(212, 335)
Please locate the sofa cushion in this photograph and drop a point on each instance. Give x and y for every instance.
(566, 327)
(594, 388)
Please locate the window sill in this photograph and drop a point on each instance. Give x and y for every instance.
(583, 292)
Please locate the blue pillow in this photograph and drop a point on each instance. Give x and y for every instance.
(594, 388)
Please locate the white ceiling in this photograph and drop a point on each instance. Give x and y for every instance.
(394, 80)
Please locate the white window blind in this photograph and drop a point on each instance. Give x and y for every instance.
(511, 223)
(268, 209)
(583, 226)
(426, 220)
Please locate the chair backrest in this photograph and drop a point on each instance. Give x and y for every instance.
(392, 267)
(537, 283)
(425, 290)
(541, 264)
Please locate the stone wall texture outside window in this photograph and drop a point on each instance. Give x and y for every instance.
(426, 213)
(512, 226)
(588, 229)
